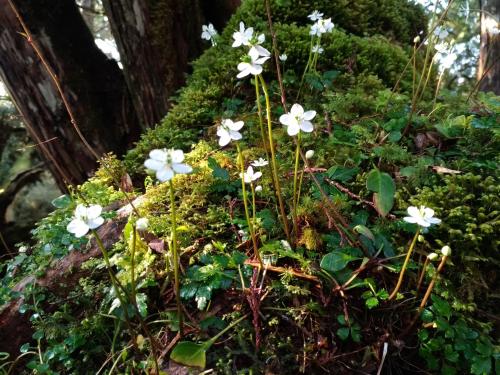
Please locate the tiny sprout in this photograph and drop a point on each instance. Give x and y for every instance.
(309, 154)
(142, 223)
(446, 251)
(432, 256)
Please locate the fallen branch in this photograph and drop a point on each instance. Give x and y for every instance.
(284, 270)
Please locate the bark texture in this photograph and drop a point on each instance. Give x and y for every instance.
(92, 84)
(157, 39)
(489, 55)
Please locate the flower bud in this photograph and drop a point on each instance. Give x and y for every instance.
(432, 256)
(420, 238)
(142, 224)
(258, 188)
(446, 251)
(309, 154)
(416, 40)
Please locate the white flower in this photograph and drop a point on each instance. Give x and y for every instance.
(23, 249)
(298, 120)
(432, 256)
(286, 245)
(315, 15)
(253, 66)
(228, 130)
(309, 154)
(317, 49)
(250, 176)
(208, 33)
(85, 218)
(283, 57)
(167, 163)
(260, 162)
(243, 36)
(258, 188)
(446, 251)
(422, 216)
(322, 27)
(142, 223)
(255, 46)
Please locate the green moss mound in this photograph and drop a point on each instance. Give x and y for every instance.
(213, 90)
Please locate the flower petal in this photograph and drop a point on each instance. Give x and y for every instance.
(181, 168)
(154, 164)
(78, 227)
(287, 119)
(428, 212)
(235, 135)
(297, 110)
(157, 154)
(224, 139)
(95, 223)
(306, 126)
(81, 211)
(177, 156)
(165, 174)
(413, 211)
(293, 129)
(235, 125)
(309, 115)
(410, 219)
(94, 211)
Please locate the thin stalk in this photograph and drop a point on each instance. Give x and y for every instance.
(431, 285)
(245, 204)
(309, 60)
(273, 161)
(214, 339)
(132, 264)
(175, 257)
(405, 264)
(254, 215)
(422, 274)
(295, 197)
(261, 120)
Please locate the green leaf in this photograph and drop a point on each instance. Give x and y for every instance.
(189, 354)
(364, 231)
(217, 170)
(341, 174)
(356, 333)
(336, 261)
(343, 333)
(384, 188)
(371, 302)
(481, 366)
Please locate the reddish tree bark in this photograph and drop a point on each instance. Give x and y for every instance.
(156, 41)
(93, 85)
(489, 54)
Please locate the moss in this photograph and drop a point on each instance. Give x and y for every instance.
(212, 89)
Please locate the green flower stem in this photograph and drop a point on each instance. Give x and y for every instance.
(295, 197)
(132, 264)
(273, 161)
(254, 216)
(405, 264)
(175, 257)
(422, 274)
(117, 287)
(261, 120)
(245, 204)
(309, 61)
(210, 342)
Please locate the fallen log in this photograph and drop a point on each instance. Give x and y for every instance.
(59, 279)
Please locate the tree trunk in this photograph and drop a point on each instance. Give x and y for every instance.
(157, 39)
(92, 84)
(489, 55)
